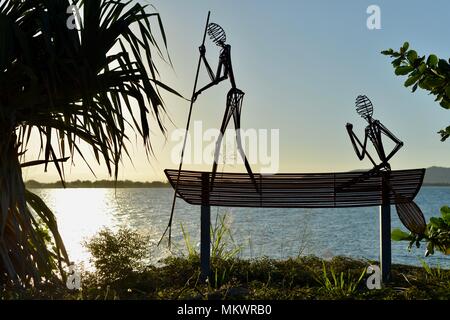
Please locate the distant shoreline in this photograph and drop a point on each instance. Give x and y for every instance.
(437, 184)
(32, 184)
(434, 177)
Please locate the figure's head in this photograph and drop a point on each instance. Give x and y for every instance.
(364, 107)
(217, 34)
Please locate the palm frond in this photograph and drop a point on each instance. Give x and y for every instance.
(69, 86)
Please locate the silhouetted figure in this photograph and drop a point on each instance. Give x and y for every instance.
(374, 131)
(407, 210)
(234, 96)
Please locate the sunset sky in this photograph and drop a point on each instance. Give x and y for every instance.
(301, 65)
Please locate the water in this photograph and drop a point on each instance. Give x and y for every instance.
(275, 233)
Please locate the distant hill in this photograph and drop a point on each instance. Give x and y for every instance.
(437, 176)
(33, 184)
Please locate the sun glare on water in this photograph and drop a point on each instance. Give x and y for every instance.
(81, 213)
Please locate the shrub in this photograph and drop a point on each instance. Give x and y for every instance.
(116, 255)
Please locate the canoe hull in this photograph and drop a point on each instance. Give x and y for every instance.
(297, 190)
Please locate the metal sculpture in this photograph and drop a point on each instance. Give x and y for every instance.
(377, 187)
(233, 107)
(234, 100)
(409, 213)
(374, 132)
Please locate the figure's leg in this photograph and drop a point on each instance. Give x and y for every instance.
(361, 178)
(235, 99)
(225, 121)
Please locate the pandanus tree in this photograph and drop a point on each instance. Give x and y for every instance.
(92, 84)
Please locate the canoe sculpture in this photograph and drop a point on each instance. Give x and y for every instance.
(297, 190)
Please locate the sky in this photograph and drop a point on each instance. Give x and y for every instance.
(301, 65)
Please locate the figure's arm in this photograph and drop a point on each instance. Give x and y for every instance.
(390, 135)
(202, 50)
(215, 78)
(355, 142)
(228, 66)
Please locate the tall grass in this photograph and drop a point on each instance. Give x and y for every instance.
(190, 248)
(223, 245)
(340, 284)
(437, 273)
(223, 249)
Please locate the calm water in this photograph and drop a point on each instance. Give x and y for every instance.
(276, 233)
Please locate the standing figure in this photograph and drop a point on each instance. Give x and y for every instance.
(234, 96)
(374, 131)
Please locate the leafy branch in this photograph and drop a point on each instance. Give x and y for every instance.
(429, 73)
(436, 236)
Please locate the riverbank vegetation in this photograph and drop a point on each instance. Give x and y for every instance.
(122, 271)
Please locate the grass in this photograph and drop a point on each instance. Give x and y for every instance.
(343, 284)
(121, 273)
(305, 278)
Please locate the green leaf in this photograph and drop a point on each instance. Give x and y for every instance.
(399, 235)
(430, 249)
(447, 91)
(432, 60)
(411, 80)
(443, 66)
(445, 134)
(437, 222)
(403, 70)
(412, 56)
(445, 212)
(422, 67)
(397, 62)
(404, 47)
(445, 104)
(423, 84)
(432, 82)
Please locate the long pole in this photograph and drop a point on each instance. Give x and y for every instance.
(169, 226)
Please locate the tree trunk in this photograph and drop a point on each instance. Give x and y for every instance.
(25, 256)
(12, 201)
